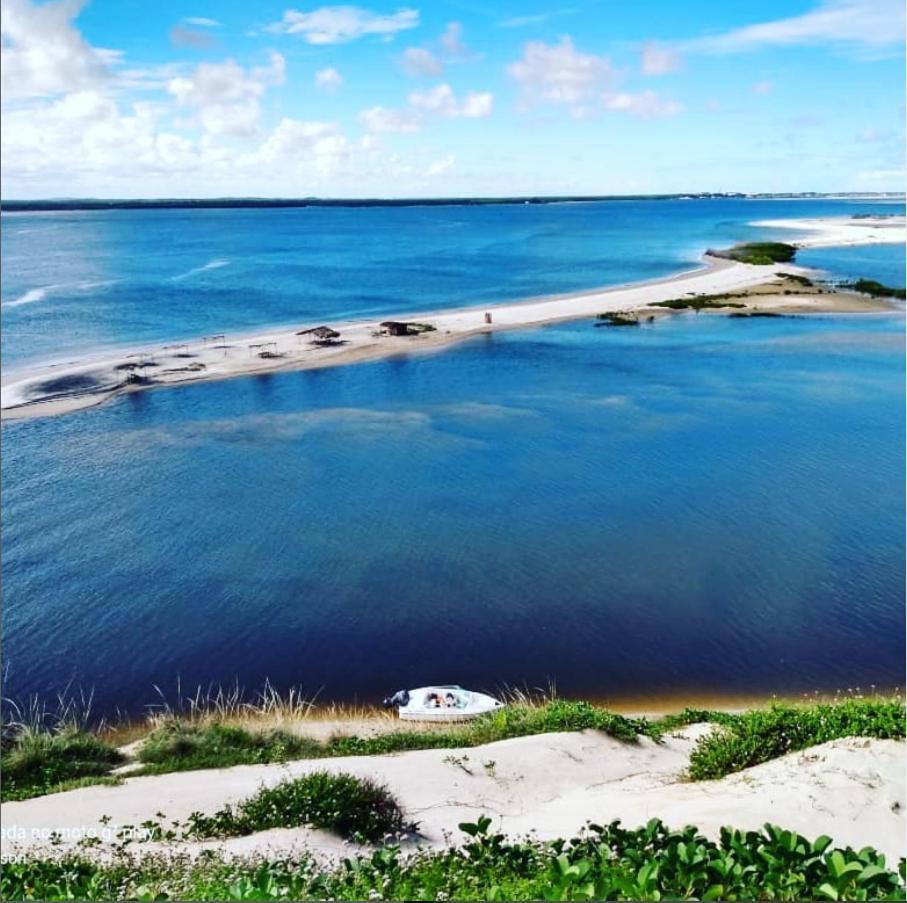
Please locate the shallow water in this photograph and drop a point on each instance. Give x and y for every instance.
(701, 505)
(74, 282)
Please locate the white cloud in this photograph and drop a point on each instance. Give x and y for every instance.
(328, 79)
(440, 166)
(537, 19)
(380, 120)
(442, 101)
(201, 22)
(44, 54)
(417, 61)
(339, 24)
(322, 142)
(646, 104)
(452, 42)
(658, 59)
(873, 23)
(558, 73)
(85, 132)
(763, 88)
(225, 97)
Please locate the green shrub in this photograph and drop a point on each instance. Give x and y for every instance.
(36, 762)
(606, 863)
(762, 253)
(699, 302)
(349, 806)
(877, 290)
(176, 746)
(762, 734)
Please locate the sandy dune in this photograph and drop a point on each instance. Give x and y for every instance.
(852, 790)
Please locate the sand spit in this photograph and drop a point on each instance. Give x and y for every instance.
(550, 784)
(834, 231)
(73, 385)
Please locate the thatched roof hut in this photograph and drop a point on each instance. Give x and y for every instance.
(323, 335)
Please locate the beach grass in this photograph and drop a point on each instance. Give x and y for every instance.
(38, 762)
(174, 746)
(607, 862)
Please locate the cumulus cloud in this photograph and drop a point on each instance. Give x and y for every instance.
(340, 24)
(647, 104)
(44, 54)
(658, 59)
(417, 61)
(442, 101)
(201, 22)
(873, 23)
(86, 132)
(225, 97)
(559, 73)
(328, 79)
(381, 120)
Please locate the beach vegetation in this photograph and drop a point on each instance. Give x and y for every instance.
(40, 761)
(174, 746)
(618, 318)
(355, 808)
(805, 281)
(750, 738)
(178, 746)
(700, 302)
(876, 289)
(606, 862)
(758, 253)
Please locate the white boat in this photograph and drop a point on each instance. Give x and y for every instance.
(447, 702)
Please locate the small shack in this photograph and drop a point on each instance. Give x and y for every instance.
(321, 335)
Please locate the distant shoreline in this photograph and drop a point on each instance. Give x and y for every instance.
(72, 385)
(64, 204)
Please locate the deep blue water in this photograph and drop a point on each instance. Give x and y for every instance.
(703, 505)
(76, 281)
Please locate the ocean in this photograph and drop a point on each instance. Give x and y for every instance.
(702, 506)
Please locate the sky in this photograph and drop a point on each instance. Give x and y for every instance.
(208, 98)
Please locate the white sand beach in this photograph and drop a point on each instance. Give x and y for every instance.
(551, 784)
(841, 231)
(71, 385)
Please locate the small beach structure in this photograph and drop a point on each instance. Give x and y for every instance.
(321, 335)
(265, 349)
(447, 702)
(398, 328)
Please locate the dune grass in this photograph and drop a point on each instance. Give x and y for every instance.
(605, 863)
(37, 762)
(177, 747)
(700, 302)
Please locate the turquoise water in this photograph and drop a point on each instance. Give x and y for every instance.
(73, 282)
(703, 505)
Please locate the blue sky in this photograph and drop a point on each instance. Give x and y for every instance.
(128, 98)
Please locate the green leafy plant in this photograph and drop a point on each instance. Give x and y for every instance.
(347, 805)
(607, 862)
